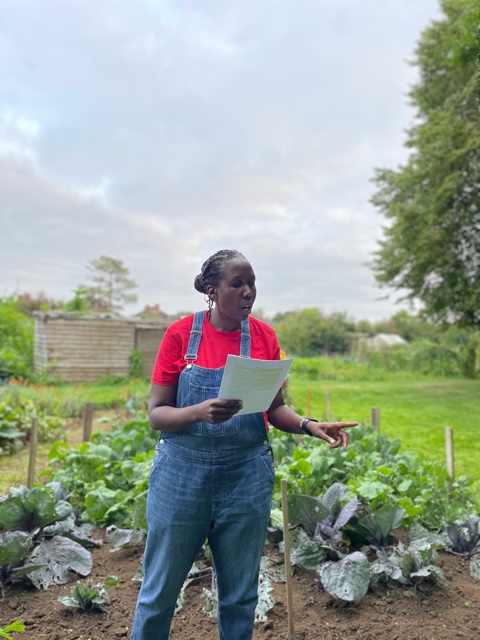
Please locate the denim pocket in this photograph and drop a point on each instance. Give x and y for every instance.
(158, 463)
(267, 459)
(197, 394)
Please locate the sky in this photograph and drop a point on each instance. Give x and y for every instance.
(158, 132)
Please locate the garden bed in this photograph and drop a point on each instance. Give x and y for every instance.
(448, 610)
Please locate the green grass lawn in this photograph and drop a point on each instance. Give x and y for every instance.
(416, 412)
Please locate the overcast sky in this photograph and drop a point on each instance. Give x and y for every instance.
(158, 132)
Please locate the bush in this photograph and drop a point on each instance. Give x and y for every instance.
(16, 422)
(423, 357)
(136, 363)
(16, 341)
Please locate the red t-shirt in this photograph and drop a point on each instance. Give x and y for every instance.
(214, 347)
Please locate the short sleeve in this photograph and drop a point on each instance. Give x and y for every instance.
(166, 369)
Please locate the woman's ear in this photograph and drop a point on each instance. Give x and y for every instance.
(211, 292)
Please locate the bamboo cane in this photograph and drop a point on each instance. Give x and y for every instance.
(33, 453)
(288, 569)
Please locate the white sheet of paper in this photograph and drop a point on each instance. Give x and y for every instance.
(255, 382)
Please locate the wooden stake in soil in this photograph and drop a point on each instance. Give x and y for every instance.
(87, 421)
(449, 452)
(288, 568)
(329, 406)
(33, 453)
(308, 401)
(376, 418)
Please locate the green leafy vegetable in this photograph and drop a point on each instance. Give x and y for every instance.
(408, 565)
(16, 626)
(348, 578)
(464, 536)
(374, 527)
(88, 597)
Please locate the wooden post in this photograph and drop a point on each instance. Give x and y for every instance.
(33, 452)
(288, 568)
(376, 418)
(309, 395)
(450, 457)
(87, 421)
(128, 394)
(329, 406)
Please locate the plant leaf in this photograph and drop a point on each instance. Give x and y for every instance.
(121, 538)
(348, 578)
(15, 626)
(348, 511)
(307, 553)
(28, 509)
(14, 547)
(60, 556)
(307, 511)
(475, 568)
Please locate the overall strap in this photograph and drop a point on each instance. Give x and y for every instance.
(245, 339)
(195, 335)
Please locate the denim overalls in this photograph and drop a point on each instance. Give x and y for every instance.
(208, 481)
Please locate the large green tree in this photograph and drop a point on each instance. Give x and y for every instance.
(431, 245)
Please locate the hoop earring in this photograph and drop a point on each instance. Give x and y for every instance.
(209, 302)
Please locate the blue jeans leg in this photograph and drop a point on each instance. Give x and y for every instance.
(237, 539)
(179, 517)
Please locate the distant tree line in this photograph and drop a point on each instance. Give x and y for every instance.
(310, 332)
(306, 332)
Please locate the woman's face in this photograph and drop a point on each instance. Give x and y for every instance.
(234, 295)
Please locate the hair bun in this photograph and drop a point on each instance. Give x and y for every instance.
(199, 284)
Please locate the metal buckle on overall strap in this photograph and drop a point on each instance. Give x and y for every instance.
(190, 362)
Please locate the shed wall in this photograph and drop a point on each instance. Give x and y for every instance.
(147, 341)
(40, 358)
(82, 349)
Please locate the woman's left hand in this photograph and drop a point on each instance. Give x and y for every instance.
(331, 432)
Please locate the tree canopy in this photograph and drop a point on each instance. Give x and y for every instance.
(431, 245)
(16, 340)
(110, 290)
(308, 332)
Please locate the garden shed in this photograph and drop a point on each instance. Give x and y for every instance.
(85, 348)
(384, 340)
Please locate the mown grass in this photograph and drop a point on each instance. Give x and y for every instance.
(416, 412)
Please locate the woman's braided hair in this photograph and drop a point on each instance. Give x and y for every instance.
(212, 269)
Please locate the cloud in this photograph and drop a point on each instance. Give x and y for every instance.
(159, 132)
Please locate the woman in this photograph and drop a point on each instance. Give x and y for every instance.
(212, 476)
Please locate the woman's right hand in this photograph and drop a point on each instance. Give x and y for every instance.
(216, 410)
(165, 416)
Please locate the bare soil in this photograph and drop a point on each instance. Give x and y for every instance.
(448, 610)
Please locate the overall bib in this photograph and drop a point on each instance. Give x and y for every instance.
(208, 481)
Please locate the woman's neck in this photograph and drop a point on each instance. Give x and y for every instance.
(220, 323)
